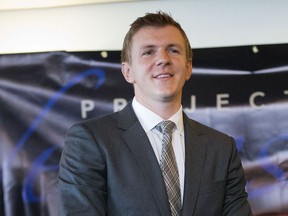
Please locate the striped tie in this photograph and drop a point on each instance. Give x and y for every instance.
(169, 167)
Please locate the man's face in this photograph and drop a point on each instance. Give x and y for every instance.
(158, 67)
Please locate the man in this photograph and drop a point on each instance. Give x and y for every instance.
(114, 165)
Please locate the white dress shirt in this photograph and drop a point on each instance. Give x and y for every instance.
(149, 120)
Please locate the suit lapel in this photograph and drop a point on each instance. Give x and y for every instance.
(137, 140)
(195, 153)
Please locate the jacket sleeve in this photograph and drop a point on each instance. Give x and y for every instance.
(235, 203)
(82, 175)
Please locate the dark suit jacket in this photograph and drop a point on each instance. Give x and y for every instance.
(108, 167)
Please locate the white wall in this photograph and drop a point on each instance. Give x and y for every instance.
(208, 23)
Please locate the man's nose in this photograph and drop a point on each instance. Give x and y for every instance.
(163, 58)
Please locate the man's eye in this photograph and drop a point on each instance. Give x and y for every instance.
(148, 52)
(174, 50)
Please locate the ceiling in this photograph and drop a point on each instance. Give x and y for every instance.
(32, 4)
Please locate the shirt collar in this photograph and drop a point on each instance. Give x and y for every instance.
(149, 119)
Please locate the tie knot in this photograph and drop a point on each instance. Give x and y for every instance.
(165, 126)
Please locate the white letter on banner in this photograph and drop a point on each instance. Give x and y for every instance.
(220, 101)
(285, 92)
(119, 104)
(86, 106)
(252, 99)
(192, 105)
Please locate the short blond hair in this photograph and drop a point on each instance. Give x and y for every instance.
(158, 19)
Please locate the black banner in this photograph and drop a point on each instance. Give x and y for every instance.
(242, 91)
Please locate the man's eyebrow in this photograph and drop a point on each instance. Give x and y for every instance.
(175, 45)
(147, 46)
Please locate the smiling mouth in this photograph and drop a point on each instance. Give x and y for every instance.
(163, 76)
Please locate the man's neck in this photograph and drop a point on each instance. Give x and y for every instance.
(163, 109)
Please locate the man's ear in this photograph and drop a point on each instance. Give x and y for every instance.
(127, 72)
(189, 70)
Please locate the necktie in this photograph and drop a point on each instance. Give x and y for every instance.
(169, 167)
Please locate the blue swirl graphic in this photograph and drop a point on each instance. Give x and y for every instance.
(37, 168)
(20, 144)
(38, 164)
(275, 171)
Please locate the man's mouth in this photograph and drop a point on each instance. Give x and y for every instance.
(163, 76)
